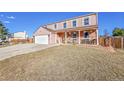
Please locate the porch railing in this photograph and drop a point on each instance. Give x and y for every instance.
(88, 41)
(72, 40)
(82, 40)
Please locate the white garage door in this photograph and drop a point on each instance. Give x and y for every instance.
(41, 39)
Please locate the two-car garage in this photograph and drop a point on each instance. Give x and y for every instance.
(43, 39)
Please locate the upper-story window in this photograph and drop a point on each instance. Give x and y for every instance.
(55, 26)
(74, 23)
(64, 25)
(86, 21)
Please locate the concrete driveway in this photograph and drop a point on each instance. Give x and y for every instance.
(19, 49)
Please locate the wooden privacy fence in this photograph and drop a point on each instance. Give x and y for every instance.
(115, 42)
(17, 41)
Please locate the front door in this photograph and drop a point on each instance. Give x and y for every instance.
(86, 35)
(74, 37)
(86, 38)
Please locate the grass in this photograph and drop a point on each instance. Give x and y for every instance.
(65, 63)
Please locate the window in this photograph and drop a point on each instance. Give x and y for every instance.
(64, 25)
(86, 21)
(86, 35)
(74, 23)
(55, 26)
(74, 35)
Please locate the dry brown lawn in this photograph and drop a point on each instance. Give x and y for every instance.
(65, 63)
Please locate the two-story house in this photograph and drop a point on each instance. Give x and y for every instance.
(80, 30)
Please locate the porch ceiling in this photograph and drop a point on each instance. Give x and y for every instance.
(94, 27)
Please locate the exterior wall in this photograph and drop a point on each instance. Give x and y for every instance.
(52, 38)
(92, 20)
(60, 37)
(60, 25)
(79, 20)
(20, 35)
(69, 24)
(51, 26)
(41, 31)
(81, 34)
(93, 35)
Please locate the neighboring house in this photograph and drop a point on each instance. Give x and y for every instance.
(20, 35)
(75, 30)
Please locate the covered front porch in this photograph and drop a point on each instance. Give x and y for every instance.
(89, 36)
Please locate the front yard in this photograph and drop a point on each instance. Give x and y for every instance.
(65, 63)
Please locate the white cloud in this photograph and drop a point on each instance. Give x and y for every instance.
(7, 22)
(2, 15)
(10, 17)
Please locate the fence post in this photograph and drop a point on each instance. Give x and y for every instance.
(110, 41)
(114, 42)
(122, 42)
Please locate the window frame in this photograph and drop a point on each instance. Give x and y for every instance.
(84, 34)
(86, 21)
(64, 25)
(74, 24)
(74, 34)
(55, 26)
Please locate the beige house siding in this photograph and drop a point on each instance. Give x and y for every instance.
(51, 26)
(79, 20)
(69, 25)
(41, 31)
(60, 25)
(92, 35)
(92, 20)
(52, 38)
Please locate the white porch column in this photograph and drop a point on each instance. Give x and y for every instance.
(55, 37)
(97, 37)
(79, 39)
(65, 37)
(50, 38)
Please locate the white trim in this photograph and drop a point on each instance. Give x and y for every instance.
(79, 41)
(97, 39)
(55, 38)
(65, 37)
(50, 38)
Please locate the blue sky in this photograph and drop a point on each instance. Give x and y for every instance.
(30, 21)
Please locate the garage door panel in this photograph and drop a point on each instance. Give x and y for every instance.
(41, 39)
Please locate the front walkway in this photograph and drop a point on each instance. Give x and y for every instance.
(10, 51)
